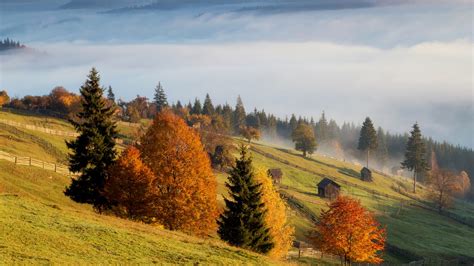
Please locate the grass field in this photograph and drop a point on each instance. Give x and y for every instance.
(42, 225)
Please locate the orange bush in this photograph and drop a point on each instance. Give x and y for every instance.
(347, 230)
(129, 186)
(185, 198)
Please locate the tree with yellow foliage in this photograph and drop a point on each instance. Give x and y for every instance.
(349, 231)
(281, 232)
(185, 196)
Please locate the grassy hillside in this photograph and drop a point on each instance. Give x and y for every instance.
(40, 225)
(413, 232)
(41, 222)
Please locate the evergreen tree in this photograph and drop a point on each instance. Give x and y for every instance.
(179, 105)
(239, 115)
(94, 150)
(197, 107)
(110, 94)
(322, 128)
(382, 151)
(415, 154)
(242, 223)
(160, 98)
(208, 107)
(367, 138)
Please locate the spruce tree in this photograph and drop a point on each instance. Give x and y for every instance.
(239, 115)
(242, 222)
(367, 138)
(197, 107)
(382, 150)
(415, 154)
(322, 128)
(160, 98)
(208, 107)
(93, 151)
(110, 94)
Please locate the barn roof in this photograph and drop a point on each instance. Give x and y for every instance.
(326, 181)
(275, 172)
(365, 169)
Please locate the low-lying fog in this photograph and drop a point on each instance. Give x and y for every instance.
(399, 62)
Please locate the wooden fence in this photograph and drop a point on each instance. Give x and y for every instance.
(28, 161)
(40, 129)
(54, 131)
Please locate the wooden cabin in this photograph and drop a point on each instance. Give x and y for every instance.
(328, 189)
(366, 174)
(276, 174)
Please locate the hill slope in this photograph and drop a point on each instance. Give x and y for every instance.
(43, 224)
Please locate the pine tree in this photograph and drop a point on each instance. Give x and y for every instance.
(367, 138)
(160, 98)
(322, 128)
(242, 223)
(415, 154)
(208, 107)
(94, 150)
(197, 108)
(110, 94)
(382, 151)
(239, 115)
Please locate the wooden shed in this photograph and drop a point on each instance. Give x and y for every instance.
(366, 174)
(276, 174)
(328, 188)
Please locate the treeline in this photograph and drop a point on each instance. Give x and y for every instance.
(333, 139)
(7, 44)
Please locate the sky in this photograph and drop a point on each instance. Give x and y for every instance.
(399, 62)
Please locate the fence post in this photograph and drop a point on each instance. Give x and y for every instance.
(54, 167)
(16, 160)
(30, 161)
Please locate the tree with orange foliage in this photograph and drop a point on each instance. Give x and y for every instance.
(4, 98)
(281, 232)
(129, 187)
(185, 187)
(349, 231)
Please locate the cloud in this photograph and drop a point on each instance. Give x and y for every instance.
(395, 86)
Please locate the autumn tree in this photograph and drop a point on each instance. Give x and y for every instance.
(280, 231)
(250, 133)
(304, 139)
(415, 154)
(185, 187)
(4, 98)
(444, 185)
(367, 138)
(93, 151)
(242, 223)
(349, 231)
(129, 187)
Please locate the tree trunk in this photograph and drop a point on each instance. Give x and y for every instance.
(414, 181)
(368, 151)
